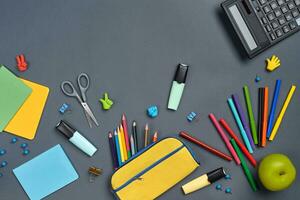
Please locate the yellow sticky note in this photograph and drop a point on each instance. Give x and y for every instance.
(26, 120)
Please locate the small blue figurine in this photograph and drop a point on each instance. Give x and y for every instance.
(14, 140)
(152, 111)
(26, 152)
(191, 116)
(3, 164)
(24, 145)
(2, 152)
(228, 191)
(219, 187)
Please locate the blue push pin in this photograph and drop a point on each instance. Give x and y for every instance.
(1, 174)
(152, 111)
(228, 177)
(26, 152)
(219, 187)
(24, 145)
(14, 140)
(2, 152)
(257, 78)
(3, 164)
(228, 191)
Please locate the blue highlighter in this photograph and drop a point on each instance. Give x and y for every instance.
(76, 138)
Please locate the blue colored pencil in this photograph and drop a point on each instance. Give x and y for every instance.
(273, 107)
(113, 150)
(240, 125)
(118, 149)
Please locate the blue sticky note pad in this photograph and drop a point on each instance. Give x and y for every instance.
(46, 173)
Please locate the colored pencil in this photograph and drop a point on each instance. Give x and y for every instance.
(282, 112)
(113, 150)
(123, 142)
(273, 107)
(211, 149)
(155, 137)
(146, 135)
(250, 114)
(118, 149)
(132, 145)
(121, 145)
(125, 128)
(134, 132)
(224, 138)
(240, 110)
(260, 114)
(247, 172)
(239, 123)
(265, 117)
(239, 143)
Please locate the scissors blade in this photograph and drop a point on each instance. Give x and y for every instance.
(88, 118)
(89, 112)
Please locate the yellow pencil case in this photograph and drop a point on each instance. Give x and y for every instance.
(153, 170)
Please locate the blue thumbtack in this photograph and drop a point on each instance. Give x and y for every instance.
(152, 111)
(26, 152)
(14, 140)
(228, 191)
(23, 145)
(257, 78)
(227, 177)
(2, 152)
(219, 187)
(3, 164)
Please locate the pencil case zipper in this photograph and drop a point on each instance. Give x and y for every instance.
(136, 177)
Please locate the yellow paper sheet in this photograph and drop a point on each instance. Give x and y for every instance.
(26, 120)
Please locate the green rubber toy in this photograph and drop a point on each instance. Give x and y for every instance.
(106, 102)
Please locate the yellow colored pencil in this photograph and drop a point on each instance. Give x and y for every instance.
(120, 145)
(282, 112)
(123, 142)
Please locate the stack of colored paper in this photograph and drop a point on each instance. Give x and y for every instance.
(21, 104)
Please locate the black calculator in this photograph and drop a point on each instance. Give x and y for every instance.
(262, 23)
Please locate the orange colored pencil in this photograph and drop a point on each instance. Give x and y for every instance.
(123, 142)
(265, 116)
(155, 137)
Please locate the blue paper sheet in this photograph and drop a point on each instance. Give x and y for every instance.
(46, 173)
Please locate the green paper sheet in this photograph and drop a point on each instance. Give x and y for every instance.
(13, 93)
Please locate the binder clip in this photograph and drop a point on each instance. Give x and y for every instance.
(94, 172)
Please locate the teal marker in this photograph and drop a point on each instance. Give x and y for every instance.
(177, 86)
(240, 125)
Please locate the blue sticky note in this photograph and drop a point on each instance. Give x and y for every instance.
(46, 173)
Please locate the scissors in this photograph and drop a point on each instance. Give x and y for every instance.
(82, 100)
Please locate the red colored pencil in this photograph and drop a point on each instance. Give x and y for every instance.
(127, 141)
(265, 117)
(185, 135)
(239, 143)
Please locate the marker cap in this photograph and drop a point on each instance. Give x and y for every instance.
(181, 73)
(66, 129)
(216, 175)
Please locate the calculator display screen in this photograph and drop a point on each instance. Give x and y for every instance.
(242, 27)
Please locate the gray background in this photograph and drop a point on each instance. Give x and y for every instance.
(131, 49)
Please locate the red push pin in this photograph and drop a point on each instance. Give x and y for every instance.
(21, 63)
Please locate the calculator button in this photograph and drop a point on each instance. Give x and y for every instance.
(277, 13)
(272, 36)
(271, 16)
(262, 2)
(288, 17)
(284, 9)
(298, 21)
(273, 5)
(268, 28)
(275, 24)
(297, 2)
(285, 29)
(292, 25)
(295, 13)
(291, 5)
(281, 20)
(267, 9)
(278, 32)
(264, 20)
(280, 2)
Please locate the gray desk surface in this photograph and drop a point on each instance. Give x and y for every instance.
(130, 49)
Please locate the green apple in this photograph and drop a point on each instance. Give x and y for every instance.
(276, 172)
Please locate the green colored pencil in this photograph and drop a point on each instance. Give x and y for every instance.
(247, 172)
(250, 114)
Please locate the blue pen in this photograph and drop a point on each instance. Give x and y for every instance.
(273, 107)
(118, 148)
(240, 125)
